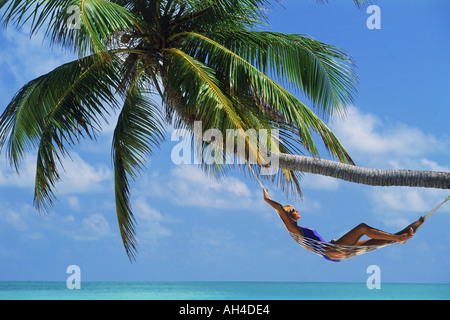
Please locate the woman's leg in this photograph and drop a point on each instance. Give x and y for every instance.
(378, 236)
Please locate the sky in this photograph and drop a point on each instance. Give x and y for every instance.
(194, 228)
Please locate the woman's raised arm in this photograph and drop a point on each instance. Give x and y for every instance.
(282, 213)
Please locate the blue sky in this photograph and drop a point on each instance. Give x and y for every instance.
(192, 228)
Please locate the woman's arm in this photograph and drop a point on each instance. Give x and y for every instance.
(278, 207)
(282, 213)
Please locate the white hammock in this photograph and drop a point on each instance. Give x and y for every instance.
(335, 252)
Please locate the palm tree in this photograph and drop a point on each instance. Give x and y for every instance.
(208, 60)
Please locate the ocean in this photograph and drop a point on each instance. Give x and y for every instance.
(12, 290)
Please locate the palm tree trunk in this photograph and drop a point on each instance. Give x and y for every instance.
(373, 177)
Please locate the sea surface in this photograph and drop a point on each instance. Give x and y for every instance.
(13, 290)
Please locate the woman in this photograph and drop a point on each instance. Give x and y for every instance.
(290, 216)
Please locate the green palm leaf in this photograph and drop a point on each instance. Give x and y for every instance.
(245, 77)
(138, 132)
(53, 112)
(100, 22)
(189, 75)
(323, 72)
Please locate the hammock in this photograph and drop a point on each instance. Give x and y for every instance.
(337, 253)
(342, 252)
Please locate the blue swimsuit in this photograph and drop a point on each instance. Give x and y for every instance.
(313, 235)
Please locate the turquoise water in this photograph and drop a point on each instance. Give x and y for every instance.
(219, 291)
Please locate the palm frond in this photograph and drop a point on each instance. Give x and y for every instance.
(325, 73)
(36, 12)
(201, 89)
(232, 14)
(244, 77)
(53, 112)
(138, 131)
(99, 22)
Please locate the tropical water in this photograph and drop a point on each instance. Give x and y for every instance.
(219, 291)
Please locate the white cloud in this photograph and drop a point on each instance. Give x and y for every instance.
(367, 138)
(96, 224)
(318, 182)
(16, 219)
(150, 220)
(399, 199)
(399, 206)
(74, 202)
(375, 143)
(91, 228)
(20, 59)
(433, 166)
(190, 186)
(28, 224)
(79, 176)
(23, 219)
(192, 176)
(145, 212)
(26, 176)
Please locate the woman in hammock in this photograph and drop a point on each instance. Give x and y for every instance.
(290, 216)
